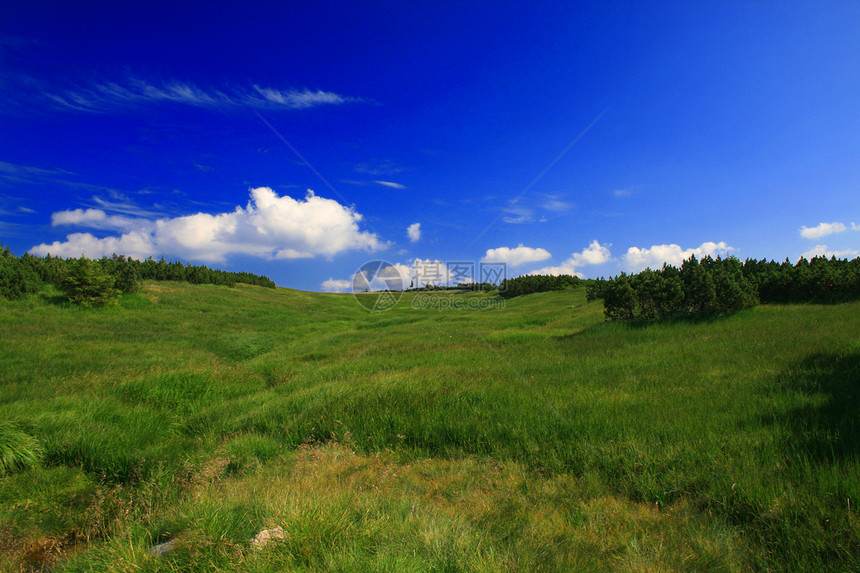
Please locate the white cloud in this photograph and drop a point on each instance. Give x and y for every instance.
(538, 209)
(414, 232)
(391, 184)
(565, 268)
(336, 285)
(823, 251)
(625, 192)
(269, 226)
(553, 204)
(637, 259)
(111, 96)
(137, 245)
(593, 254)
(517, 256)
(855, 227)
(294, 99)
(94, 218)
(822, 230)
(517, 215)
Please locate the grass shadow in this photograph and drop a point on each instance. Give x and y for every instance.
(827, 426)
(54, 296)
(642, 323)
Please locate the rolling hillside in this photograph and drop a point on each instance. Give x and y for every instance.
(451, 433)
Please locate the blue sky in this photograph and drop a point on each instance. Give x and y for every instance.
(302, 139)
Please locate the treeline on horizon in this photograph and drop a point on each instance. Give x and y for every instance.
(712, 287)
(97, 281)
(528, 284)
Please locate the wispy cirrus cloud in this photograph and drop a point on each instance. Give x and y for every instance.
(17, 173)
(92, 218)
(391, 184)
(378, 167)
(538, 209)
(110, 97)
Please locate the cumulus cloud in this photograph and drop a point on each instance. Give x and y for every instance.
(593, 254)
(112, 96)
(517, 256)
(637, 259)
(336, 285)
(414, 232)
(269, 226)
(134, 244)
(822, 230)
(824, 251)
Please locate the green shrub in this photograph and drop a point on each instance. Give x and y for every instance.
(87, 284)
(699, 289)
(17, 279)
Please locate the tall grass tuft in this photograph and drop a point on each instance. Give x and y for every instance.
(18, 449)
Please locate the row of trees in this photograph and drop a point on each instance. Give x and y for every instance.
(723, 286)
(701, 289)
(819, 280)
(96, 282)
(536, 283)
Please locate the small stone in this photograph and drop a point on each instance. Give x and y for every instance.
(162, 548)
(264, 537)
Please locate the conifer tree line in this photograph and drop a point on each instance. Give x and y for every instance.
(89, 282)
(712, 287)
(528, 284)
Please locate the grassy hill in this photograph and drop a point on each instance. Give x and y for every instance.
(528, 436)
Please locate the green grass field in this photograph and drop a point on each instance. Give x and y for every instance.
(529, 437)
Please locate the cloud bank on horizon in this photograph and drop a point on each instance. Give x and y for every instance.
(273, 227)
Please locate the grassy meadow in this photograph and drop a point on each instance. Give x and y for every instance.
(525, 436)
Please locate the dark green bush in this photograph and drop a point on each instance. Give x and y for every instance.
(88, 284)
(698, 289)
(17, 279)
